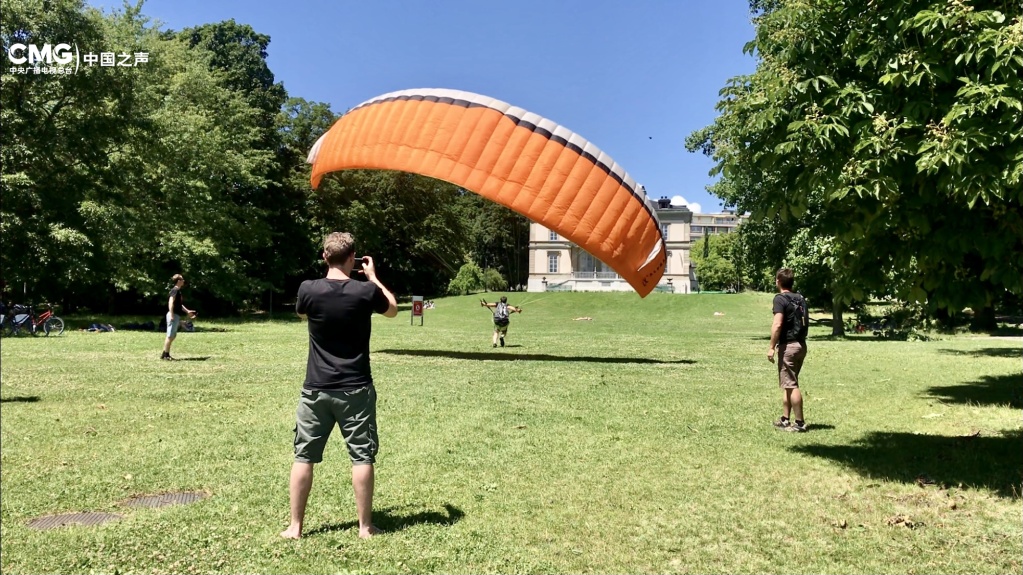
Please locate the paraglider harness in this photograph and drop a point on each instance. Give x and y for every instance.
(500, 314)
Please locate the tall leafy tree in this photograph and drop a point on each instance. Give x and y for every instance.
(900, 124)
(714, 261)
(117, 176)
(300, 123)
(238, 56)
(56, 133)
(497, 236)
(406, 221)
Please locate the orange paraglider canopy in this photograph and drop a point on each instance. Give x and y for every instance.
(518, 159)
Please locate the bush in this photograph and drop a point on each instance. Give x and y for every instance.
(468, 279)
(900, 321)
(494, 281)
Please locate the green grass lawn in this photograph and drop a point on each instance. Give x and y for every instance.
(640, 441)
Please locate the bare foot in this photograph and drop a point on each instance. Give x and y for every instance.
(366, 533)
(292, 532)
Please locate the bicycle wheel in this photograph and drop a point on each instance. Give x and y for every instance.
(54, 326)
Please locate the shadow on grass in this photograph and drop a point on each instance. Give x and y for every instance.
(994, 462)
(828, 337)
(199, 358)
(20, 399)
(486, 355)
(990, 390)
(1010, 352)
(845, 337)
(391, 522)
(199, 329)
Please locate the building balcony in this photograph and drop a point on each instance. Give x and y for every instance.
(595, 276)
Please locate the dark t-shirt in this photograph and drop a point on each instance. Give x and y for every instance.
(339, 313)
(789, 331)
(179, 308)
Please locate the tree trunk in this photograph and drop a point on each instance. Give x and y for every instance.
(837, 323)
(984, 320)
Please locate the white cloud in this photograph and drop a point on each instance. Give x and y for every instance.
(680, 201)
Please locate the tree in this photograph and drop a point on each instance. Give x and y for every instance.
(406, 221)
(713, 260)
(497, 236)
(115, 177)
(299, 124)
(900, 125)
(172, 199)
(56, 131)
(469, 279)
(762, 245)
(237, 55)
(493, 280)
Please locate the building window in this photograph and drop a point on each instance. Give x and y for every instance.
(697, 229)
(664, 231)
(552, 262)
(552, 236)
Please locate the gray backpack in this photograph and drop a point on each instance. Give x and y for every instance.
(501, 314)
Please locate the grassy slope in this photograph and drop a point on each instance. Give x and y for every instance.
(639, 441)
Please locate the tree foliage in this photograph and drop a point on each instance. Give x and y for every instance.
(114, 178)
(714, 259)
(468, 279)
(899, 126)
(493, 280)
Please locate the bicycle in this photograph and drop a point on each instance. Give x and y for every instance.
(22, 320)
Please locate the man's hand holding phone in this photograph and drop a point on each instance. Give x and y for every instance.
(365, 265)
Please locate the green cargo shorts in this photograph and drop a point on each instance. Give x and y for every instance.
(353, 410)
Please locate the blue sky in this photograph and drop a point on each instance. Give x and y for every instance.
(632, 77)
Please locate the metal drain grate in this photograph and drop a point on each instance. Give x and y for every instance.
(67, 519)
(164, 499)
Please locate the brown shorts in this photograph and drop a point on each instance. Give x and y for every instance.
(790, 361)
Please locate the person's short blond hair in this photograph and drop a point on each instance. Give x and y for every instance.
(337, 247)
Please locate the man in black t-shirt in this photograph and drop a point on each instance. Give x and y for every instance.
(175, 309)
(788, 335)
(338, 388)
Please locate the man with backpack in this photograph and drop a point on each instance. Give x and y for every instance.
(788, 336)
(501, 320)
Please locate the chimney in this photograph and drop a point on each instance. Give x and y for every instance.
(663, 203)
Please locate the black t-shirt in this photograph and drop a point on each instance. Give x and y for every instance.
(179, 308)
(789, 331)
(339, 313)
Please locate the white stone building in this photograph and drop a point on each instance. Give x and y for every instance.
(556, 264)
